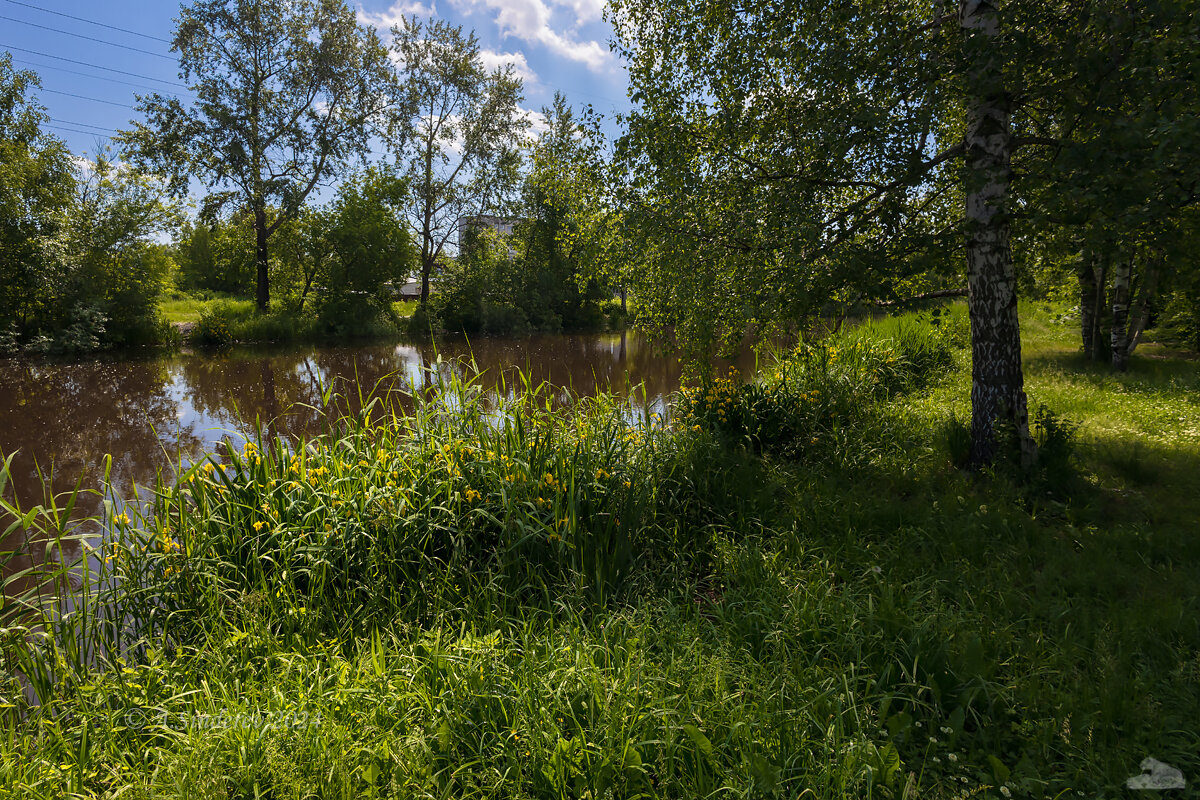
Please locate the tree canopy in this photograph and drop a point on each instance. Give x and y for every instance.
(456, 130)
(286, 95)
(784, 159)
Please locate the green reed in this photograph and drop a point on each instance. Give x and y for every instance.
(452, 594)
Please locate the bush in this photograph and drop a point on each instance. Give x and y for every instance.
(214, 329)
(818, 392)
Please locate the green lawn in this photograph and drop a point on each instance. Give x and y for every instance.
(569, 607)
(190, 309)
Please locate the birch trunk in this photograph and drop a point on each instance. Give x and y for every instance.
(263, 291)
(1101, 329)
(1119, 336)
(1137, 324)
(1087, 304)
(997, 383)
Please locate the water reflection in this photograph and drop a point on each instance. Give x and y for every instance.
(62, 418)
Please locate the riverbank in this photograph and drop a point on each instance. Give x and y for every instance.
(223, 321)
(785, 586)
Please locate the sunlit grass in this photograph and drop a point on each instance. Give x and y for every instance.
(779, 591)
(190, 309)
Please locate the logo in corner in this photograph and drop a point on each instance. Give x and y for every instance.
(1157, 775)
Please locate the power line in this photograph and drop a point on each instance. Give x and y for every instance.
(94, 66)
(93, 99)
(88, 21)
(89, 38)
(81, 133)
(87, 75)
(82, 124)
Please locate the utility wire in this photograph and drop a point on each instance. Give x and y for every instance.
(23, 60)
(81, 133)
(89, 38)
(93, 99)
(82, 124)
(88, 21)
(94, 66)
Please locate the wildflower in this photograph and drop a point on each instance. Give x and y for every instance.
(628, 484)
(258, 525)
(122, 518)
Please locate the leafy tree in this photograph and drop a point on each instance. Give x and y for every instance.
(482, 290)
(285, 94)
(784, 158)
(1117, 167)
(196, 256)
(558, 293)
(366, 235)
(36, 185)
(111, 263)
(456, 130)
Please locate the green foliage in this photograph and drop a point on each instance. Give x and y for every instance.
(214, 328)
(368, 247)
(217, 255)
(457, 131)
(484, 289)
(37, 183)
(811, 399)
(91, 279)
(344, 616)
(288, 95)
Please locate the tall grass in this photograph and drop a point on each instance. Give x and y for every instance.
(452, 595)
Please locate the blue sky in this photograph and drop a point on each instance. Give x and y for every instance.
(90, 73)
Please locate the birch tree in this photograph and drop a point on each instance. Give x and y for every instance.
(286, 93)
(456, 131)
(787, 159)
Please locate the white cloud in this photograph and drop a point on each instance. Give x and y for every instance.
(529, 20)
(491, 59)
(384, 20)
(537, 123)
(585, 10)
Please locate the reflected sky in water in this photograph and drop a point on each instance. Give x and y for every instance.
(152, 412)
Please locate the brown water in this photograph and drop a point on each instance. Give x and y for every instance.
(149, 413)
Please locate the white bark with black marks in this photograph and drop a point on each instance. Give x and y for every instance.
(1087, 303)
(997, 385)
(1119, 335)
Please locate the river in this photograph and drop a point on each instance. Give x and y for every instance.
(60, 419)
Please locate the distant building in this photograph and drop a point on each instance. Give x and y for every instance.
(475, 222)
(410, 290)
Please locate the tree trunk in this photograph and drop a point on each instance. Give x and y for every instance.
(1087, 304)
(263, 292)
(1119, 337)
(997, 383)
(1100, 316)
(426, 268)
(1139, 321)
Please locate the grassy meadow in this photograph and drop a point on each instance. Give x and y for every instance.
(220, 321)
(785, 589)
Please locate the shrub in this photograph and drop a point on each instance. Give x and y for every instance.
(214, 330)
(817, 393)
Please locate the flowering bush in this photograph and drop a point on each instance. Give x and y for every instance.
(213, 329)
